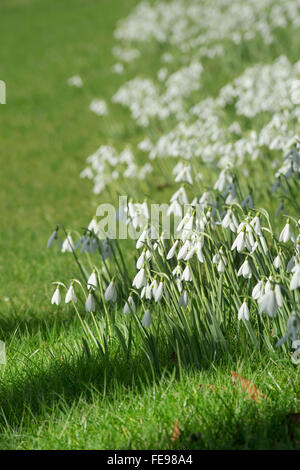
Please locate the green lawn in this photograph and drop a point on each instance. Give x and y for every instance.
(54, 395)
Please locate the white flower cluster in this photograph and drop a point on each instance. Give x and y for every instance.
(190, 24)
(106, 165)
(146, 102)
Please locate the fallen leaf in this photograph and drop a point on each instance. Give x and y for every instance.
(247, 386)
(176, 432)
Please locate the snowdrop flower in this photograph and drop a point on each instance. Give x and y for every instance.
(255, 224)
(54, 237)
(146, 292)
(258, 290)
(147, 319)
(71, 295)
(180, 196)
(245, 270)
(98, 107)
(187, 275)
(230, 221)
(158, 293)
(140, 279)
(174, 208)
(278, 261)
(223, 180)
(184, 175)
(183, 299)
(75, 81)
(56, 298)
(243, 313)
(172, 250)
(295, 281)
(240, 242)
(68, 245)
(287, 233)
(92, 280)
(110, 294)
(141, 260)
(142, 239)
(90, 304)
(184, 250)
(270, 301)
(129, 306)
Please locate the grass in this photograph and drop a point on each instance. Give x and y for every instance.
(53, 395)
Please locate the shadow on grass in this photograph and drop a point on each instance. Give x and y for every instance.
(35, 386)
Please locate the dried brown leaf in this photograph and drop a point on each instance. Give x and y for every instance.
(250, 388)
(176, 432)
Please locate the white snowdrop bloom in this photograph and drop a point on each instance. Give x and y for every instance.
(183, 299)
(175, 209)
(141, 260)
(71, 295)
(199, 252)
(278, 261)
(147, 319)
(184, 176)
(68, 245)
(180, 196)
(177, 271)
(75, 81)
(98, 107)
(258, 290)
(255, 224)
(92, 282)
(187, 274)
(287, 234)
(243, 313)
(159, 292)
(263, 244)
(142, 239)
(184, 250)
(223, 180)
(186, 222)
(190, 252)
(90, 304)
(178, 284)
(153, 286)
(230, 221)
(56, 298)
(54, 237)
(206, 199)
(268, 303)
(245, 270)
(129, 306)
(295, 281)
(278, 295)
(172, 250)
(240, 242)
(140, 279)
(110, 294)
(221, 265)
(118, 68)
